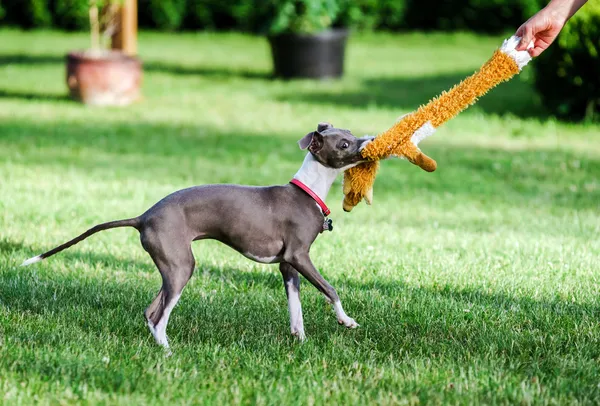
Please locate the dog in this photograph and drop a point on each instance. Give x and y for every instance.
(273, 224)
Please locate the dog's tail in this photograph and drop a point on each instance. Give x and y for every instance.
(132, 222)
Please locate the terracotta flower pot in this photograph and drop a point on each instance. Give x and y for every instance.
(309, 55)
(107, 78)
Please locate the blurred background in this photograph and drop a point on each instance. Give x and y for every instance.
(566, 80)
(476, 284)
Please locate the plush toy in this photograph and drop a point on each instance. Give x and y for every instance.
(402, 139)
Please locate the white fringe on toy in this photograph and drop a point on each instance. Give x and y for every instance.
(423, 132)
(522, 58)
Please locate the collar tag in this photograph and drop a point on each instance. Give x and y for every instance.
(327, 225)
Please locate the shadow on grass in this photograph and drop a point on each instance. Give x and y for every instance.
(515, 97)
(7, 94)
(148, 66)
(34, 60)
(224, 72)
(177, 152)
(446, 323)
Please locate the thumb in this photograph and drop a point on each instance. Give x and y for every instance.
(526, 34)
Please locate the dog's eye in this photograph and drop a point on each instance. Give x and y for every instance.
(344, 145)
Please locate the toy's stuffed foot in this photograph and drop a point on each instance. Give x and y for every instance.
(424, 162)
(415, 156)
(353, 199)
(358, 184)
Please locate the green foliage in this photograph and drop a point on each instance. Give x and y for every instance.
(27, 13)
(165, 15)
(360, 14)
(292, 16)
(72, 14)
(372, 14)
(491, 16)
(567, 75)
(276, 16)
(39, 12)
(243, 15)
(202, 13)
(2, 12)
(391, 14)
(300, 16)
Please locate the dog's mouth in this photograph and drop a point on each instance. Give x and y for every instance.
(366, 142)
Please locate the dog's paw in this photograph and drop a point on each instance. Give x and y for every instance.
(299, 334)
(348, 322)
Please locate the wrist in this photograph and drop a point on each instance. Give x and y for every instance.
(560, 10)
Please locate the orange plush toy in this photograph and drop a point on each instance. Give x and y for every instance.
(402, 139)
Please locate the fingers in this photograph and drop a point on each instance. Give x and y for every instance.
(536, 51)
(526, 34)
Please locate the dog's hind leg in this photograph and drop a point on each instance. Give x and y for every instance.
(292, 290)
(175, 262)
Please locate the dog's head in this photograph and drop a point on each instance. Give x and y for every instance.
(334, 147)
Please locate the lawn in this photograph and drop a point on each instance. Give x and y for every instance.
(477, 283)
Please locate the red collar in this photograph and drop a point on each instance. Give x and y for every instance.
(312, 194)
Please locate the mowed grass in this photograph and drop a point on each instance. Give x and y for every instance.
(478, 283)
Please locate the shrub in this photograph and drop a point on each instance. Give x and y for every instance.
(392, 14)
(165, 15)
(243, 15)
(360, 14)
(39, 12)
(71, 14)
(300, 16)
(201, 14)
(491, 16)
(567, 74)
(27, 13)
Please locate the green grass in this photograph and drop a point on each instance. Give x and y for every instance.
(477, 283)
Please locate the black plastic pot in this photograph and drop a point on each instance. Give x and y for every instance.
(309, 55)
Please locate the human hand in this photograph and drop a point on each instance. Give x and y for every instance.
(542, 29)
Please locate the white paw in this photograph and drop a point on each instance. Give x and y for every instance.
(348, 322)
(299, 334)
(159, 335)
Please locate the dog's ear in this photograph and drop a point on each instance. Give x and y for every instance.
(316, 143)
(305, 141)
(313, 141)
(324, 126)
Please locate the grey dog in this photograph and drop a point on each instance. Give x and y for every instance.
(274, 224)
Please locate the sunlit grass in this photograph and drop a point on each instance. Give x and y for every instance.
(476, 283)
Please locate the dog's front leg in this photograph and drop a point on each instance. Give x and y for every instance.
(304, 265)
(291, 281)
